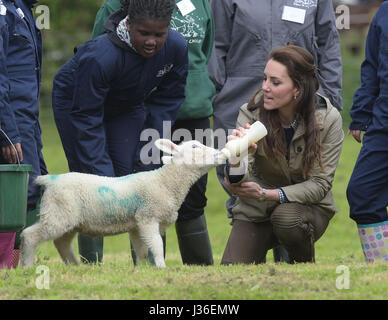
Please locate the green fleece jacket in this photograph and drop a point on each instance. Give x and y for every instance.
(198, 29)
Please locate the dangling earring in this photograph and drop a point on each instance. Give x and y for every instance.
(295, 97)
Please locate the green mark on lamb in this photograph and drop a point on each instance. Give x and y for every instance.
(118, 208)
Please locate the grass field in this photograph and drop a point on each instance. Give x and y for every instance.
(338, 253)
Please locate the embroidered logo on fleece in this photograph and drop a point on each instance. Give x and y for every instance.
(166, 69)
(188, 27)
(305, 3)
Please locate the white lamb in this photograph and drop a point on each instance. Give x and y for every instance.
(143, 204)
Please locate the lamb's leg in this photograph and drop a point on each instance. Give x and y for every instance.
(65, 248)
(151, 236)
(30, 238)
(141, 249)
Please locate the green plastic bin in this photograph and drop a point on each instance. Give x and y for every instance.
(13, 196)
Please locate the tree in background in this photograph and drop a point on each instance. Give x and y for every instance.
(71, 24)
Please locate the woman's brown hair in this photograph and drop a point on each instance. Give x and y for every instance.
(302, 71)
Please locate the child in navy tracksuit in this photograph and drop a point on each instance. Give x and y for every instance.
(368, 186)
(101, 95)
(197, 26)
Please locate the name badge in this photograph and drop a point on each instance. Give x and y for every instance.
(294, 14)
(185, 7)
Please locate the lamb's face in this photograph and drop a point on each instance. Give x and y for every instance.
(191, 153)
(194, 153)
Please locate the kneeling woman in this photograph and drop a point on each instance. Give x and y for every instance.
(284, 185)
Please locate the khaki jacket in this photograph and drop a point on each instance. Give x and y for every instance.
(280, 173)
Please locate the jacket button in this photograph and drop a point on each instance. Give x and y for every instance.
(299, 149)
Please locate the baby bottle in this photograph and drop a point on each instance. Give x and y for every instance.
(236, 147)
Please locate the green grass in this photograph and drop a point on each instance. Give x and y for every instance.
(117, 279)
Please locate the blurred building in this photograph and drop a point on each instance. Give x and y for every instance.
(359, 16)
(361, 11)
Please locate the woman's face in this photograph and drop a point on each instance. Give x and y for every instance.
(148, 35)
(279, 89)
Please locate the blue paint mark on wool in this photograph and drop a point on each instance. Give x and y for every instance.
(116, 208)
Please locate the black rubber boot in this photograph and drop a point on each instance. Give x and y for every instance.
(194, 242)
(280, 254)
(90, 249)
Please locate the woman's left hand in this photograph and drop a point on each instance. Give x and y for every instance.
(356, 134)
(246, 189)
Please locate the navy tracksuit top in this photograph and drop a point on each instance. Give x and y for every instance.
(20, 80)
(370, 102)
(106, 78)
(20, 74)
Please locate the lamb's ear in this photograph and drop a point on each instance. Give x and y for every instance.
(166, 159)
(166, 146)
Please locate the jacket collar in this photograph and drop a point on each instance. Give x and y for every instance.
(111, 25)
(324, 107)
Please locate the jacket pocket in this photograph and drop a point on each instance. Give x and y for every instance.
(20, 36)
(22, 53)
(246, 43)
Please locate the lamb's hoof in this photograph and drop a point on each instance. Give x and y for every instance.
(161, 264)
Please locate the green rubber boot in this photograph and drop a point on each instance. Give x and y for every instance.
(90, 249)
(194, 242)
(280, 254)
